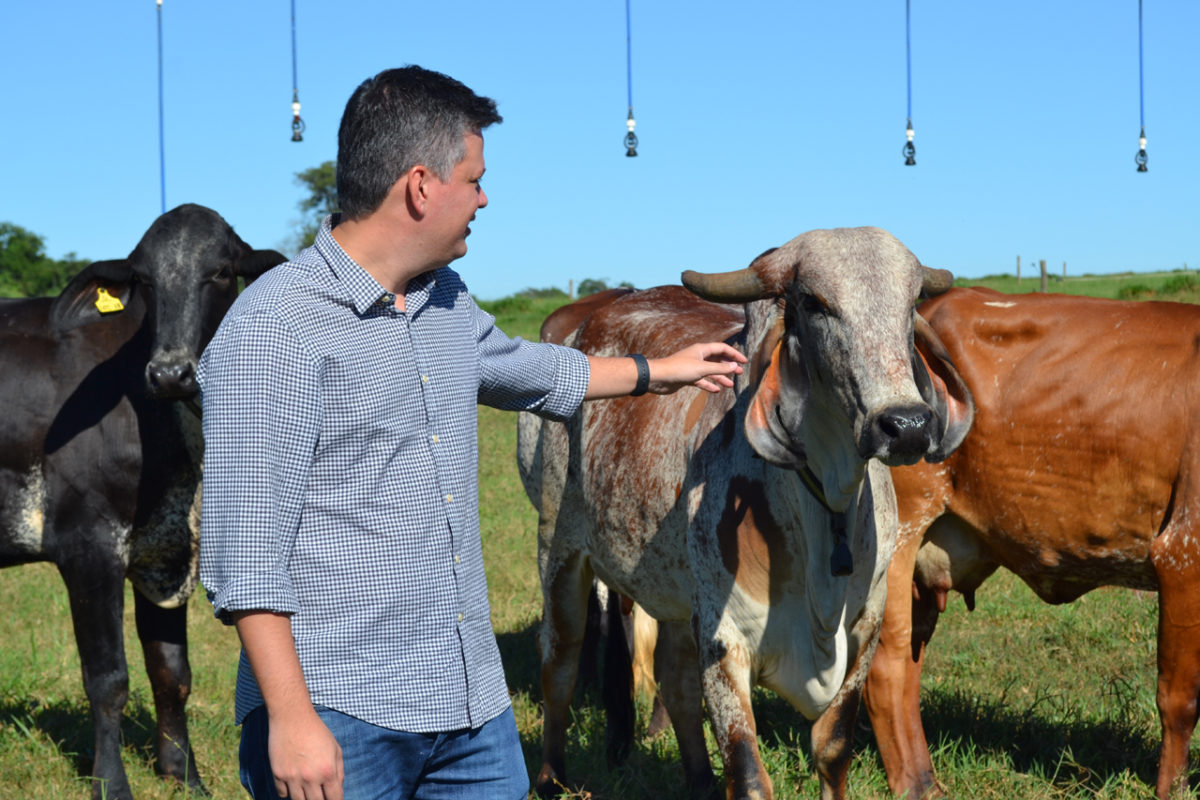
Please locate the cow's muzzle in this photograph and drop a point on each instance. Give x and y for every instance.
(172, 376)
(899, 435)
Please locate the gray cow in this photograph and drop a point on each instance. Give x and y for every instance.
(755, 525)
(100, 458)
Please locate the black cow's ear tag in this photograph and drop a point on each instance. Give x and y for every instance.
(107, 303)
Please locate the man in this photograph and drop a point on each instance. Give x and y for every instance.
(340, 519)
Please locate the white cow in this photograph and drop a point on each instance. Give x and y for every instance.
(756, 525)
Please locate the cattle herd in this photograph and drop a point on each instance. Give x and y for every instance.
(891, 439)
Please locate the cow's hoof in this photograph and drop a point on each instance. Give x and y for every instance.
(111, 789)
(550, 783)
(704, 787)
(178, 766)
(195, 786)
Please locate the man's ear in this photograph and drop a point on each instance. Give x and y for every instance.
(416, 189)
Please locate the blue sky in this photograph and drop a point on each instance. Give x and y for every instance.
(758, 120)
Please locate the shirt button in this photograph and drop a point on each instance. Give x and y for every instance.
(449, 498)
(424, 379)
(435, 439)
(460, 616)
(457, 560)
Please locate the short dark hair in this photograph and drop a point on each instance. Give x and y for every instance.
(396, 120)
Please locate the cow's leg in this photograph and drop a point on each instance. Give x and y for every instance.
(96, 586)
(163, 633)
(725, 679)
(833, 732)
(565, 585)
(620, 714)
(893, 686)
(590, 649)
(676, 663)
(832, 742)
(644, 634)
(1176, 558)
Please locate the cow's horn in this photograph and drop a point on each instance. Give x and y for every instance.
(935, 281)
(739, 286)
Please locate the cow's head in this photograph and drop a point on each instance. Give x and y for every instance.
(184, 272)
(837, 375)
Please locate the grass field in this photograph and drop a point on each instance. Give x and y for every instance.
(1020, 699)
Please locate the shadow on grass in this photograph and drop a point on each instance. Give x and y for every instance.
(68, 725)
(652, 771)
(1047, 737)
(522, 664)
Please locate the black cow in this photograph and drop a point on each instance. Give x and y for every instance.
(100, 472)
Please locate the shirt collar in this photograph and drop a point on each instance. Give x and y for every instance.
(363, 289)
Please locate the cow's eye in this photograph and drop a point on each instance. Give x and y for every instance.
(811, 304)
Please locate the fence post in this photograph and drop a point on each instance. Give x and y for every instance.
(1064, 270)
(1042, 263)
(1018, 270)
(571, 288)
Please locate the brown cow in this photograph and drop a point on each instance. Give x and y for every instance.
(696, 506)
(1077, 474)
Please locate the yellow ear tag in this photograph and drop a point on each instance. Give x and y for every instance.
(106, 303)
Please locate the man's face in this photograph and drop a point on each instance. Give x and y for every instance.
(453, 203)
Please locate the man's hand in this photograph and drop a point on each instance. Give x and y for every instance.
(305, 758)
(707, 366)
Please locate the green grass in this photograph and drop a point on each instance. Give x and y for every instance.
(1020, 699)
(1180, 285)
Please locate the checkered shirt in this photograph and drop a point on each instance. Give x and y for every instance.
(341, 482)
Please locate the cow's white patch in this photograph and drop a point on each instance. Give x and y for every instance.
(27, 518)
(164, 558)
(998, 304)
(165, 555)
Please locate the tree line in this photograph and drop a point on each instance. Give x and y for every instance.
(26, 270)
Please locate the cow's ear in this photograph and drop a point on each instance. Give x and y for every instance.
(103, 289)
(773, 420)
(942, 388)
(255, 262)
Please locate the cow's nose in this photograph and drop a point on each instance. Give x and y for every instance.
(172, 378)
(900, 434)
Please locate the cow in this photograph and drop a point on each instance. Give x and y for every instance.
(1079, 472)
(100, 459)
(756, 524)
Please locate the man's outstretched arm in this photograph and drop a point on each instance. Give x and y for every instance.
(707, 366)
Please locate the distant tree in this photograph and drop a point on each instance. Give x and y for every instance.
(26, 270)
(321, 184)
(548, 291)
(591, 286)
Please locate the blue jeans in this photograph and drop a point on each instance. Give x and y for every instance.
(380, 764)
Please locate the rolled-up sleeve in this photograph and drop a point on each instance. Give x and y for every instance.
(262, 416)
(518, 375)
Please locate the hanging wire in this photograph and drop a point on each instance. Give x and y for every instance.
(1140, 158)
(910, 150)
(297, 123)
(162, 153)
(631, 140)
